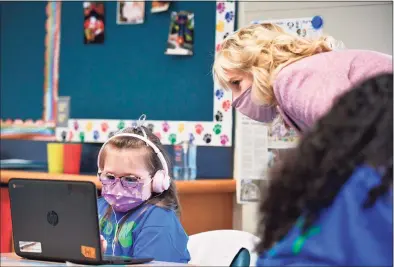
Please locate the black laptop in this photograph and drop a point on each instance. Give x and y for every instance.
(56, 220)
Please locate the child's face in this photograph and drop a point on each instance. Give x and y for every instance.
(128, 162)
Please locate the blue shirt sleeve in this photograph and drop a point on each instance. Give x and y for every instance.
(160, 243)
(346, 234)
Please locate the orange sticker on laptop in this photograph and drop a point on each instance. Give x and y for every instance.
(88, 252)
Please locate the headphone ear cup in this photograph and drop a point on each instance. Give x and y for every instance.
(166, 182)
(160, 182)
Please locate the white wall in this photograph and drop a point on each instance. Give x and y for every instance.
(361, 25)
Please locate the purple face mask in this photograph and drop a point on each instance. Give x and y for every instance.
(123, 199)
(246, 106)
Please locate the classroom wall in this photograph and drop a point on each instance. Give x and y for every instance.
(118, 77)
(360, 25)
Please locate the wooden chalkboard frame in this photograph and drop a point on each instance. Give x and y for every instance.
(217, 132)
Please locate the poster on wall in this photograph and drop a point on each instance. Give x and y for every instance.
(130, 12)
(258, 146)
(181, 34)
(159, 6)
(304, 27)
(94, 22)
(257, 149)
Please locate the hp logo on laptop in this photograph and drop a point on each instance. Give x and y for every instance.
(52, 218)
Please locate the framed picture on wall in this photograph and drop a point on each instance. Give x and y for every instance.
(130, 12)
(94, 22)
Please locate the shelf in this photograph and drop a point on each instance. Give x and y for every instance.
(184, 187)
(27, 137)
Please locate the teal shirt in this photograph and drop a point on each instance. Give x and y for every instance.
(149, 232)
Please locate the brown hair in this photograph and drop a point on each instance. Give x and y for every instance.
(169, 198)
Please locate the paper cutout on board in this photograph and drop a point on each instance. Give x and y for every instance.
(159, 6)
(94, 22)
(181, 35)
(130, 12)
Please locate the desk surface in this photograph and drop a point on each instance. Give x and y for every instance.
(11, 259)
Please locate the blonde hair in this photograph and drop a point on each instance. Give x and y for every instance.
(262, 50)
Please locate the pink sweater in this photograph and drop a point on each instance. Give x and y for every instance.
(306, 89)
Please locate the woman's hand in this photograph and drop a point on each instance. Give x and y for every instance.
(103, 244)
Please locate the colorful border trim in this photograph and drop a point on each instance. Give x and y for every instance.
(10, 128)
(51, 69)
(217, 132)
(46, 126)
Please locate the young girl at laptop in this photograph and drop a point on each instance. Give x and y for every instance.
(139, 210)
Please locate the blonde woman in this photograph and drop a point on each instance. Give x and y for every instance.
(271, 72)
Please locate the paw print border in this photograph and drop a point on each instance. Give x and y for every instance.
(168, 130)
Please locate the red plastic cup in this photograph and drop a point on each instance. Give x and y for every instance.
(72, 158)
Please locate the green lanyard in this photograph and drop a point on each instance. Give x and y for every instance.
(299, 243)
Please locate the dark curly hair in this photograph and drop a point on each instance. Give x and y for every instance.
(358, 130)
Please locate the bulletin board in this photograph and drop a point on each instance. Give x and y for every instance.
(111, 85)
(26, 65)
